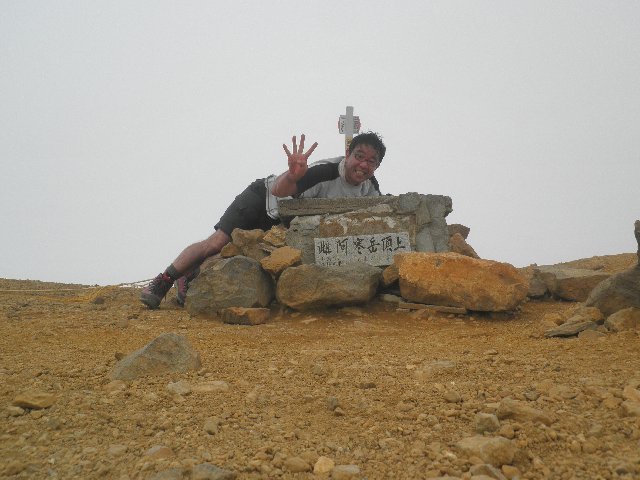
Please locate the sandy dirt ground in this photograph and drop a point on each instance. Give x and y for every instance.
(367, 386)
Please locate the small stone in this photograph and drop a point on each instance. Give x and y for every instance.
(245, 316)
(486, 422)
(296, 465)
(589, 335)
(208, 471)
(209, 387)
(516, 410)
(116, 450)
(510, 471)
(181, 387)
(345, 472)
(497, 451)
(34, 400)
(631, 409)
(281, 259)
(562, 392)
(230, 250)
(451, 396)
(159, 451)
(323, 465)
(211, 425)
(332, 403)
(171, 474)
(486, 471)
(631, 393)
(14, 411)
(507, 431)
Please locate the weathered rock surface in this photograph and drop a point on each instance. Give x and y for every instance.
(626, 319)
(232, 282)
(248, 241)
(621, 290)
(390, 275)
(245, 316)
(276, 236)
(457, 244)
(280, 259)
(496, 451)
(463, 230)
(455, 280)
(618, 292)
(314, 286)
(582, 319)
(570, 283)
(167, 353)
(537, 286)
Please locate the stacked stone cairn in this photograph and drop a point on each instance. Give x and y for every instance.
(441, 271)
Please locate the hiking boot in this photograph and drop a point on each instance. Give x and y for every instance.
(182, 285)
(153, 293)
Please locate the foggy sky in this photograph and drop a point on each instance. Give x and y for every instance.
(127, 127)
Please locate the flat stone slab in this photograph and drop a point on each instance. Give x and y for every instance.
(318, 206)
(434, 308)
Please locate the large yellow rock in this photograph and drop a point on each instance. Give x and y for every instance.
(460, 281)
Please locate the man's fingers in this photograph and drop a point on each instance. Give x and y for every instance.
(294, 140)
(301, 148)
(310, 151)
(286, 149)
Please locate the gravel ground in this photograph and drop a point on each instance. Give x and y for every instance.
(384, 392)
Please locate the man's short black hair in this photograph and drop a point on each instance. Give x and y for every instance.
(369, 138)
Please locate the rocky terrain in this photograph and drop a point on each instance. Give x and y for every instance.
(357, 392)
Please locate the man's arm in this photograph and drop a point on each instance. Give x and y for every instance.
(285, 184)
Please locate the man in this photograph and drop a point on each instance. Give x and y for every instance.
(256, 206)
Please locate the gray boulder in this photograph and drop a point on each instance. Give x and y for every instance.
(167, 353)
(621, 290)
(232, 282)
(573, 284)
(315, 286)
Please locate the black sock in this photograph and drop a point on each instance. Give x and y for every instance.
(172, 272)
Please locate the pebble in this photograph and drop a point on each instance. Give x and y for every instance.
(345, 472)
(212, 425)
(296, 465)
(208, 471)
(209, 387)
(452, 396)
(497, 451)
(171, 474)
(116, 450)
(516, 410)
(486, 470)
(34, 399)
(631, 393)
(323, 465)
(181, 387)
(486, 422)
(332, 403)
(14, 411)
(159, 451)
(510, 471)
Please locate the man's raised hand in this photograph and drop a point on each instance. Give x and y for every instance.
(298, 158)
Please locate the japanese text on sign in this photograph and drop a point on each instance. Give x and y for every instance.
(377, 249)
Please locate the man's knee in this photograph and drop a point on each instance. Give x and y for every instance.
(215, 242)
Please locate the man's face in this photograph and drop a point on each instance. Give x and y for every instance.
(361, 164)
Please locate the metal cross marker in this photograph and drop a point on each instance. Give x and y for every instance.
(347, 126)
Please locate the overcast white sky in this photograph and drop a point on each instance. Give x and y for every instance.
(127, 127)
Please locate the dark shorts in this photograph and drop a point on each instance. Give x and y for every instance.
(248, 210)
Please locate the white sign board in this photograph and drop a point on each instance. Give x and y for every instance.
(342, 122)
(377, 249)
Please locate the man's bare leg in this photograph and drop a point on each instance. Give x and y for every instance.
(188, 260)
(192, 256)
